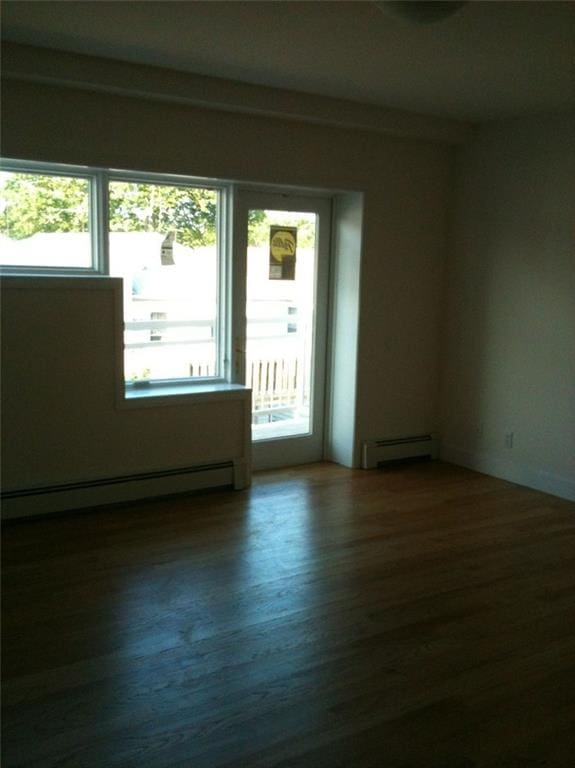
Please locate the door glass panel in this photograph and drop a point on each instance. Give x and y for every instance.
(280, 321)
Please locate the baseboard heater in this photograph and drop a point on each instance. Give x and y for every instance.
(378, 452)
(57, 498)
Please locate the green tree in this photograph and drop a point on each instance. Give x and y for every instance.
(33, 203)
(191, 213)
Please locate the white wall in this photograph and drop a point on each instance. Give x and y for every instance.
(509, 356)
(344, 330)
(405, 186)
(64, 420)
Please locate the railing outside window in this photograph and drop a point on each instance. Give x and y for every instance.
(275, 370)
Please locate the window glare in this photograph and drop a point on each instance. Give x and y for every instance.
(44, 220)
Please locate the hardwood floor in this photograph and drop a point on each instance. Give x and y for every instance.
(417, 617)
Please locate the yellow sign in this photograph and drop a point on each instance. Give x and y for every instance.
(283, 249)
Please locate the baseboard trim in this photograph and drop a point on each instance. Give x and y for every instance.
(26, 502)
(515, 472)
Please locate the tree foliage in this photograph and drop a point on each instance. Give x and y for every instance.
(32, 202)
(191, 213)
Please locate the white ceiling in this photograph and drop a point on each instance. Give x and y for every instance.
(488, 60)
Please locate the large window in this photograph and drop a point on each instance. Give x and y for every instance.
(163, 242)
(161, 235)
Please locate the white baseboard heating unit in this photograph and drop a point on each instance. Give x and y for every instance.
(112, 490)
(376, 452)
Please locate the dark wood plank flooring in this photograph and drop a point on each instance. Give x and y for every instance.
(418, 617)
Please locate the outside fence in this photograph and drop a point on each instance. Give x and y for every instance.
(274, 384)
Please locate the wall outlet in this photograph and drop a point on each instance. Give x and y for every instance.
(509, 440)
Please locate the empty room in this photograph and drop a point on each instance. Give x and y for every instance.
(287, 384)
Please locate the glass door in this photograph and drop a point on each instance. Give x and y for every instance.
(285, 249)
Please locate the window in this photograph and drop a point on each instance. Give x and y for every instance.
(163, 243)
(45, 220)
(160, 234)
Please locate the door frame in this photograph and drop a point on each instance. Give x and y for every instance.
(301, 449)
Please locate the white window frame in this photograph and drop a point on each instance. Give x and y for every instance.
(99, 240)
(96, 244)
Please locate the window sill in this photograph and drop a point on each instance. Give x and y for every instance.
(154, 395)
